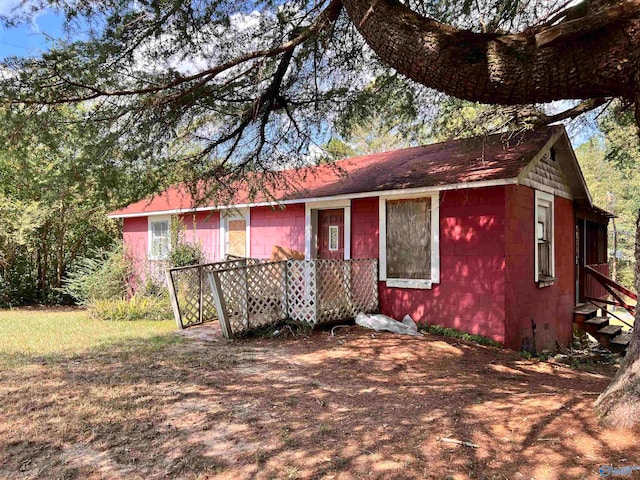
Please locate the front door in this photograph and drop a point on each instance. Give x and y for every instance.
(331, 234)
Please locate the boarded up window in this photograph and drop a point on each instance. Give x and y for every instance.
(409, 238)
(237, 238)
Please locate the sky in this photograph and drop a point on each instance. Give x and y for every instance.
(36, 37)
(29, 39)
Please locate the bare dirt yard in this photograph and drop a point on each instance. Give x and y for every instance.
(358, 405)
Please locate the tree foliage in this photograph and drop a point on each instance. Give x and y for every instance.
(56, 188)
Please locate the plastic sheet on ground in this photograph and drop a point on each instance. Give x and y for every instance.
(379, 323)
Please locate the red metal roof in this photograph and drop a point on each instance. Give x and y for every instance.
(494, 157)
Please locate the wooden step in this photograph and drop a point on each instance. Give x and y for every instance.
(585, 309)
(620, 342)
(610, 330)
(584, 312)
(594, 324)
(598, 322)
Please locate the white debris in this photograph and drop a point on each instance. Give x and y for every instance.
(379, 322)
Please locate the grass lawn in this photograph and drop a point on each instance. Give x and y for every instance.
(135, 401)
(28, 334)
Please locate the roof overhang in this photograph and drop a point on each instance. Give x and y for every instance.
(436, 188)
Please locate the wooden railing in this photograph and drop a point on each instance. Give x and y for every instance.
(592, 287)
(621, 296)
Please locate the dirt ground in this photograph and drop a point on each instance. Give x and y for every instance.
(358, 405)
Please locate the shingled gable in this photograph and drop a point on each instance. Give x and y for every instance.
(474, 162)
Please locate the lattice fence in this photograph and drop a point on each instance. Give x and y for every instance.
(191, 295)
(246, 294)
(307, 291)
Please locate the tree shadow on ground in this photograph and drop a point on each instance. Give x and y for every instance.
(352, 406)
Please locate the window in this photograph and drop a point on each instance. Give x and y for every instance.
(409, 241)
(544, 254)
(334, 238)
(159, 238)
(235, 233)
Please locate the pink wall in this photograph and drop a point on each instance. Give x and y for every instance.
(134, 236)
(470, 295)
(551, 308)
(206, 232)
(283, 227)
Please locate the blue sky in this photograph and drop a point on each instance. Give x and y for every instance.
(29, 39)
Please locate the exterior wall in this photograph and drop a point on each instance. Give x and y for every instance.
(364, 228)
(550, 308)
(204, 228)
(135, 233)
(276, 227)
(471, 292)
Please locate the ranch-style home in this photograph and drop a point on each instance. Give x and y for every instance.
(488, 235)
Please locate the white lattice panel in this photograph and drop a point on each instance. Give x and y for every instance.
(253, 293)
(301, 290)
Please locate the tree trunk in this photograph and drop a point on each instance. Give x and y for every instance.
(619, 404)
(598, 61)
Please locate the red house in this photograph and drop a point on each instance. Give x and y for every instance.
(479, 234)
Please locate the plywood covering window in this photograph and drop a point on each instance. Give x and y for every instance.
(544, 238)
(409, 248)
(409, 238)
(235, 233)
(237, 237)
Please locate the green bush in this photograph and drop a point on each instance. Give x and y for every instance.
(183, 253)
(105, 275)
(135, 308)
(452, 332)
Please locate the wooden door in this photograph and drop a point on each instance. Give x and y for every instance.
(331, 234)
(580, 260)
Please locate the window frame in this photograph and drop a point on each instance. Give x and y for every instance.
(546, 200)
(414, 283)
(150, 221)
(234, 214)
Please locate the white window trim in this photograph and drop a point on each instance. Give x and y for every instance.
(236, 214)
(311, 226)
(543, 198)
(435, 242)
(151, 220)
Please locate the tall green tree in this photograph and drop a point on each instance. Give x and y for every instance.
(252, 84)
(56, 189)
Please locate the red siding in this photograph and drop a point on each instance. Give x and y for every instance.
(471, 293)
(275, 226)
(550, 307)
(364, 228)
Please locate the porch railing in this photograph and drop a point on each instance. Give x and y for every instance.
(191, 297)
(592, 287)
(248, 294)
(620, 295)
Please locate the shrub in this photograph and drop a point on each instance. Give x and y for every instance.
(183, 253)
(103, 276)
(135, 308)
(452, 332)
